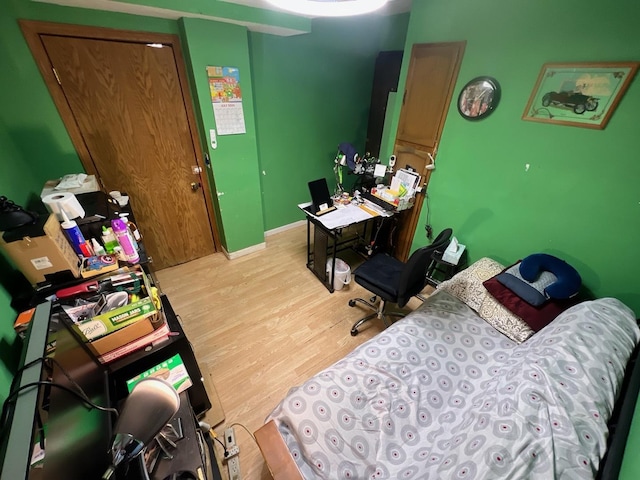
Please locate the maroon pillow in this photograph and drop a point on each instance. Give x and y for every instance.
(535, 317)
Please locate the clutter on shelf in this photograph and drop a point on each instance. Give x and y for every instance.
(113, 309)
(83, 235)
(348, 157)
(376, 180)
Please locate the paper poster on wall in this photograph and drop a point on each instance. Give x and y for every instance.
(226, 97)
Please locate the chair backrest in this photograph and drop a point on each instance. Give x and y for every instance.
(442, 240)
(413, 278)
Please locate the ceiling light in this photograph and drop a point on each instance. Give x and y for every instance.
(329, 8)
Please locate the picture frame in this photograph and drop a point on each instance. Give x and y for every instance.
(579, 94)
(479, 98)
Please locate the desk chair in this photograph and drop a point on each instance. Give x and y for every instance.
(394, 281)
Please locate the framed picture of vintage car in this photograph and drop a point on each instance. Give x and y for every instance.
(579, 94)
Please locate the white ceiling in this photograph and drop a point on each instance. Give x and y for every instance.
(392, 8)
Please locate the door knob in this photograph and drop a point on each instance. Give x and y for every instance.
(195, 186)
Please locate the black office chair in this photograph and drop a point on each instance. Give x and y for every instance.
(394, 281)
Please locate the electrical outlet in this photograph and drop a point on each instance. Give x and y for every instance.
(233, 452)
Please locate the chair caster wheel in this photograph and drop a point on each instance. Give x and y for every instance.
(354, 332)
(352, 303)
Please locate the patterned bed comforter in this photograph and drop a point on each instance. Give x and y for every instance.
(441, 394)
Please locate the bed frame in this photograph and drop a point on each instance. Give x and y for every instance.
(276, 454)
(283, 467)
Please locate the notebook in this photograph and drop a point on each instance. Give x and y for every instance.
(320, 198)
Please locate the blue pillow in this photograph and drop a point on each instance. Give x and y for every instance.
(568, 279)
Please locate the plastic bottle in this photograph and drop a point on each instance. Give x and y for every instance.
(121, 232)
(109, 240)
(130, 229)
(97, 248)
(76, 239)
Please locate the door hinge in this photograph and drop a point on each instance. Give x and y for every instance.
(56, 75)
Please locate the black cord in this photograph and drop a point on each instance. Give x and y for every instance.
(80, 393)
(212, 457)
(375, 237)
(13, 394)
(224, 447)
(84, 398)
(428, 226)
(40, 428)
(23, 368)
(3, 418)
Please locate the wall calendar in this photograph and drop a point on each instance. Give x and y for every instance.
(226, 98)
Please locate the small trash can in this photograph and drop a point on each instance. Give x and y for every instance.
(343, 273)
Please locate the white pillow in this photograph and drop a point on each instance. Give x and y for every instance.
(467, 286)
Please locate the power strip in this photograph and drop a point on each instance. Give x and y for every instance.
(233, 452)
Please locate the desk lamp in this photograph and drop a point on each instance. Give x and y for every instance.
(147, 409)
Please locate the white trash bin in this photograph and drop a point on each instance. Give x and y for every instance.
(343, 273)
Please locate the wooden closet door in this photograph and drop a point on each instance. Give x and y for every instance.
(433, 70)
(128, 103)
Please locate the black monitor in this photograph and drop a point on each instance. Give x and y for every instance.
(76, 439)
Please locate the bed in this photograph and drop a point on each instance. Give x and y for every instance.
(443, 394)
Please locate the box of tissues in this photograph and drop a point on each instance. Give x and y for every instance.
(453, 252)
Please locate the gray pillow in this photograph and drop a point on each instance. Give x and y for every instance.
(530, 292)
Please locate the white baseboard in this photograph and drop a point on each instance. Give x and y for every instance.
(263, 245)
(284, 228)
(244, 251)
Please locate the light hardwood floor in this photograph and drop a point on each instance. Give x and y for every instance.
(260, 325)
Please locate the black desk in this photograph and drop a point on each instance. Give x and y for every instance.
(327, 241)
(78, 438)
(137, 362)
(192, 457)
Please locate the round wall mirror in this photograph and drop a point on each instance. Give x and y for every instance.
(479, 98)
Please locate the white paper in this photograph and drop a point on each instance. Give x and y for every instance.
(343, 217)
(74, 180)
(409, 179)
(229, 118)
(379, 170)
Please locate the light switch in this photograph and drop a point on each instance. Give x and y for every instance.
(214, 141)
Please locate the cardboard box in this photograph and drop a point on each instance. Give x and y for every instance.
(106, 324)
(159, 335)
(172, 370)
(40, 249)
(98, 265)
(131, 332)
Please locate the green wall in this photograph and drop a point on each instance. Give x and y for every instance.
(34, 144)
(234, 163)
(302, 96)
(579, 198)
(16, 188)
(313, 92)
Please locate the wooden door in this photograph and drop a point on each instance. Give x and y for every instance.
(127, 103)
(433, 70)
